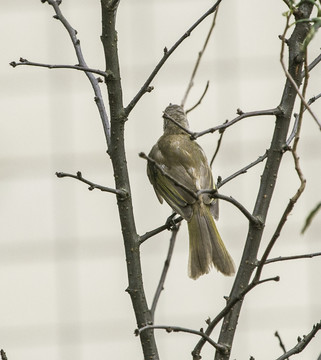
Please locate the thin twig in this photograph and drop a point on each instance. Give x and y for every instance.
(242, 171)
(167, 54)
(94, 82)
(218, 146)
(296, 117)
(213, 193)
(292, 257)
(160, 286)
(301, 188)
(290, 78)
(302, 342)
(26, 62)
(167, 116)
(229, 306)
(200, 99)
(170, 329)
(92, 185)
(170, 223)
(276, 334)
(313, 64)
(198, 61)
(242, 116)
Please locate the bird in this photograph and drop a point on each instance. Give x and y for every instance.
(178, 169)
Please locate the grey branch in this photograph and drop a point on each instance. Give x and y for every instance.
(242, 171)
(198, 61)
(292, 257)
(302, 342)
(276, 334)
(169, 329)
(92, 185)
(242, 115)
(229, 306)
(167, 54)
(169, 225)
(160, 286)
(26, 62)
(82, 63)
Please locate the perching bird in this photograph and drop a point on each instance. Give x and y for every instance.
(183, 160)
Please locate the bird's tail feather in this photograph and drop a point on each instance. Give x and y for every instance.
(206, 246)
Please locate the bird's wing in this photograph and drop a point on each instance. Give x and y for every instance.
(184, 161)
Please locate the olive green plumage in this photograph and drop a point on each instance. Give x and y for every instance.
(184, 160)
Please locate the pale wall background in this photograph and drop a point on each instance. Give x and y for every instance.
(62, 268)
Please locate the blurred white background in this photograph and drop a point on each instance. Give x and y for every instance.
(62, 269)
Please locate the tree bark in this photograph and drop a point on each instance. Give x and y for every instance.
(268, 179)
(118, 158)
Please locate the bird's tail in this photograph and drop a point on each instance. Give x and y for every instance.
(206, 247)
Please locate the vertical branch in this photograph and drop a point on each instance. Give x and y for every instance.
(118, 157)
(268, 179)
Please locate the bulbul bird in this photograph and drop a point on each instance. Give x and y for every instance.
(178, 171)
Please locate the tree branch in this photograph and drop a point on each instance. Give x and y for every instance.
(292, 257)
(241, 171)
(167, 54)
(242, 116)
(269, 176)
(198, 61)
(282, 346)
(118, 157)
(169, 225)
(215, 194)
(169, 329)
(162, 279)
(92, 185)
(200, 99)
(26, 62)
(302, 343)
(225, 311)
(82, 64)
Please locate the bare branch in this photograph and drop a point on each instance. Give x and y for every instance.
(242, 116)
(198, 61)
(276, 334)
(241, 171)
(201, 98)
(169, 225)
(23, 61)
(214, 193)
(292, 257)
(162, 279)
(219, 142)
(300, 190)
(169, 329)
(269, 175)
(229, 306)
(313, 64)
(167, 54)
(189, 132)
(92, 185)
(82, 63)
(290, 78)
(302, 342)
